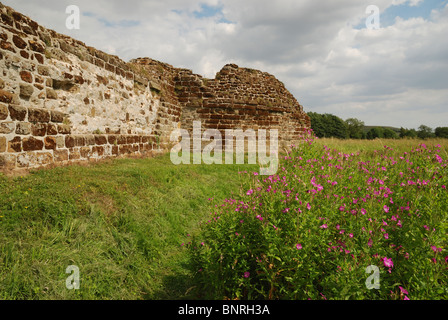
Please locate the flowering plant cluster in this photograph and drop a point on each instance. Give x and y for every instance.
(310, 231)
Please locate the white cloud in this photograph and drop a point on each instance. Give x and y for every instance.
(395, 75)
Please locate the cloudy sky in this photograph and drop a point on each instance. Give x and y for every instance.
(322, 51)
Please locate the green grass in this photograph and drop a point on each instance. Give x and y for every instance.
(120, 222)
(311, 230)
(368, 146)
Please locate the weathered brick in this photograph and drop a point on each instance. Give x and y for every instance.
(7, 19)
(50, 143)
(43, 70)
(124, 149)
(36, 46)
(5, 45)
(34, 159)
(110, 67)
(52, 129)
(121, 139)
(33, 24)
(60, 155)
(38, 115)
(90, 140)
(19, 42)
(99, 150)
(60, 142)
(2, 144)
(17, 16)
(74, 154)
(51, 94)
(7, 127)
(129, 76)
(39, 57)
(64, 129)
(38, 129)
(6, 97)
(3, 112)
(31, 144)
(112, 139)
(99, 63)
(85, 152)
(130, 139)
(8, 160)
(15, 145)
(80, 141)
(100, 139)
(69, 142)
(79, 79)
(26, 90)
(57, 116)
(23, 128)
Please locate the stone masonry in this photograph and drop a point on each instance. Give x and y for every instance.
(62, 101)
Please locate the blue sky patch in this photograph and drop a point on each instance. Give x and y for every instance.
(406, 11)
(112, 24)
(208, 11)
(211, 11)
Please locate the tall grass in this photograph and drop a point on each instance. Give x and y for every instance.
(120, 222)
(330, 213)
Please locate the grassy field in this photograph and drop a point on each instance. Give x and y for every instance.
(121, 222)
(335, 211)
(399, 145)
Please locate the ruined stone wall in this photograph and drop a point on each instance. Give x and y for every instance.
(241, 98)
(63, 101)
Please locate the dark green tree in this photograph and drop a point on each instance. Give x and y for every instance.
(441, 132)
(328, 125)
(408, 133)
(389, 133)
(374, 133)
(355, 128)
(317, 124)
(335, 126)
(403, 132)
(412, 133)
(425, 132)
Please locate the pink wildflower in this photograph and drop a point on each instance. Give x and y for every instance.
(299, 246)
(324, 226)
(388, 262)
(403, 290)
(246, 274)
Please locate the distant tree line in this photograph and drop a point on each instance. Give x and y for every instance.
(328, 125)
